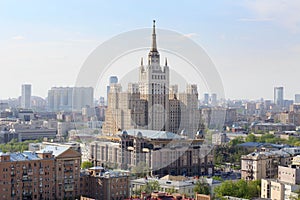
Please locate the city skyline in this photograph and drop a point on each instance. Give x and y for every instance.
(254, 44)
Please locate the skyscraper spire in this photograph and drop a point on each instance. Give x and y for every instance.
(153, 47)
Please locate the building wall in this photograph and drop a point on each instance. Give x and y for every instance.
(27, 179)
(289, 175)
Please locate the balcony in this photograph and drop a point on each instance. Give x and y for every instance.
(26, 178)
(69, 188)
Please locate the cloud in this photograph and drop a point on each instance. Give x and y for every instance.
(255, 19)
(190, 35)
(18, 37)
(282, 12)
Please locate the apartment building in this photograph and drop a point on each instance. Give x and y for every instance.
(264, 164)
(27, 175)
(97, 183)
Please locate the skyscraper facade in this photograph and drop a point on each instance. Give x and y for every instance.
(26, 96)
(278, 96)
(152, 103)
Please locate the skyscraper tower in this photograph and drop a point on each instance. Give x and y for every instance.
(278, 96)
(26, 96)
(154, 87)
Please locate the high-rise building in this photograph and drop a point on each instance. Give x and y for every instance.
(206, 99)
(112, 80)
(213, 99)
(70, 98)
(278, 96)
(297, 98)
(152, 103)
(26, 96)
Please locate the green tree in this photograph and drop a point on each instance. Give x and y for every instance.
(201, 187)
(236, 141)
(141, 170)
(240, 189)
(151, 186)
(86, 165)
(251, 138)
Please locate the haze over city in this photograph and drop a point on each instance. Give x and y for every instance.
(254, 44)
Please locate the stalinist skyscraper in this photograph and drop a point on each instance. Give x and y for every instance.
(152, 103)
(154, 88)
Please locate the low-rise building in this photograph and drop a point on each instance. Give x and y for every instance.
(163, 153)
(264, 164)
(96, 183)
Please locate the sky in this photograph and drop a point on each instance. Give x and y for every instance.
(254, 44)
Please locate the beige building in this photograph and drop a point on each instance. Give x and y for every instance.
(162, 152)
(152, 103)
(277, 190)
(264, 164)
(286, 186)
(289, 174)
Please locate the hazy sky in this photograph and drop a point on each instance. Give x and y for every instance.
(255, 44)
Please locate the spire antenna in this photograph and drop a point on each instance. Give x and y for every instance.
(153, 47)
(166, 62)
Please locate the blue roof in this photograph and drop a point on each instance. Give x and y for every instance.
(153, 134)
(24, 156)
(251, 144)
(261, 144)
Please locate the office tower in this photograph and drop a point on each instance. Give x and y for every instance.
(206, 99)
(70, 98)
(26, 96)
(297, 98)
(278, 96)
(112, 80)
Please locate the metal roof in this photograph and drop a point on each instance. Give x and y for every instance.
(152, 134)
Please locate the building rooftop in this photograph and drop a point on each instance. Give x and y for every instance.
(56, 150)
(151, 134)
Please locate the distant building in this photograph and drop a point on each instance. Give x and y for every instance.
(297, 98)
(206, 99)
(275, 127)
(26, 96)
(70, 98)
(213, 99)
(278, 96)
(112, 80)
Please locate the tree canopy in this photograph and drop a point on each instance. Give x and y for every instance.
(86, 165)
(201, 187)
(241, 189)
